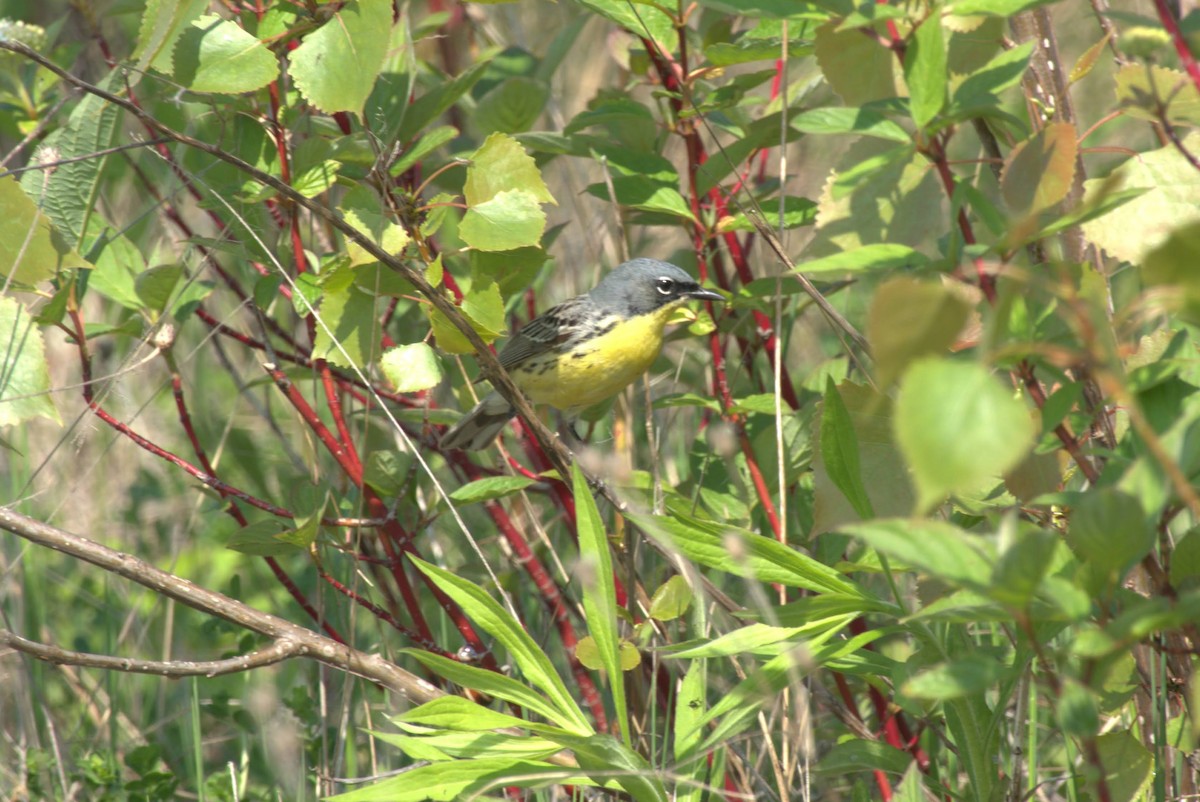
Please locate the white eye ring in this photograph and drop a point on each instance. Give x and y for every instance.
(665, 286)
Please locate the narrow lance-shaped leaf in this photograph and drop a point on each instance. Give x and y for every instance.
(599, 595)
(839, 450)
(493, 619)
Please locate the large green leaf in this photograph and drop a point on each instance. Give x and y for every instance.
(32, 250)
(350, 334)
(909, 319)
(511, 219)
(856, 67)
(67, 194)
(1038, 172)
(1150, 92)
(884, 475)
(1171, 200)
(879, 194)
(958, 427)
(163, 22)
(336, 65)
(24, 375)
(499, 165)
(411, 367)
(216, 55)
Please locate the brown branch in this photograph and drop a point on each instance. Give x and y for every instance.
(307, 643)
(277, 652)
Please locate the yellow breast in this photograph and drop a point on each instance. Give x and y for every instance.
(596, 369)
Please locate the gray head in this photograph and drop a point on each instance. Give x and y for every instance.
(641, 286)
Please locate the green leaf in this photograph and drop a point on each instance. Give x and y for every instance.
(955, 679)
(861, 755)
(1110, 530)
(839, 451)
(1185, 560)
(449, 780)
(1039, 171)
(880, 193)
(1004, 70)
(350, 334)
(430, 106)
(843, 120)
(67, 194)
(867, 257)
(492, 683)
(411, 368)
(512, 107)
(459, 714)
(1148, 91)
(154, 286)
(524, 651)
(1075, 710)
(639, 192)
(671, 600)
(260, 540)
(884, 474)
(760, 557)
(510, 219)
(1089, 59)
(364, 210)
(856, 67)
(797, 212)
(32, 250)
(603, 756)
(745, 50)
(1171, 201)
(935, 547)
(958, 427)
(24, 374)
(490, 488)
(909, 319)
(925, 70)
(499, 165)
(216, 55)
(642, 19)
(430, 141)
(162, 23)
(1022, 564)
(1128, 766)
(994, 8)
(599, 594)
(335, 67)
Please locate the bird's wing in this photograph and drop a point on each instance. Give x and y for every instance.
(553, 327)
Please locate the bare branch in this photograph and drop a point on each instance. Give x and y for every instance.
(302, 642)
(277, 652)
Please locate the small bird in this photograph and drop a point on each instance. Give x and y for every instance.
(587, 349)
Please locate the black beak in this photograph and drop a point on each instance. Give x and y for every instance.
(701, 294)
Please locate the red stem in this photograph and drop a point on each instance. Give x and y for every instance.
(1171, 26)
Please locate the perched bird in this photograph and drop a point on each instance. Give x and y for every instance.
(587, 349)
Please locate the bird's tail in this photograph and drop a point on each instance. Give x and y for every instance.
(480, 426)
